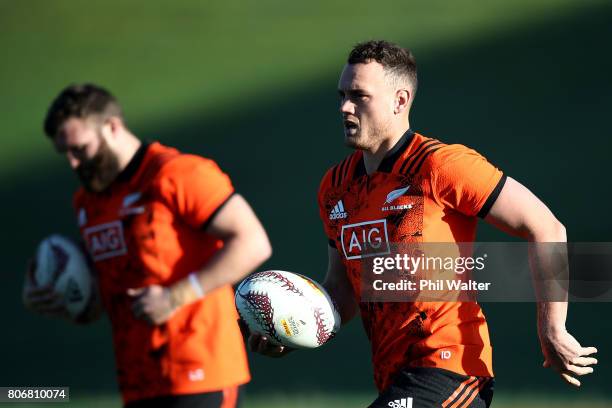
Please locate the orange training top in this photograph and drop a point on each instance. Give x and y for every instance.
(423, 191)
(148, 228)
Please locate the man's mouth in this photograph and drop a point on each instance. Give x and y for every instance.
(350, 125)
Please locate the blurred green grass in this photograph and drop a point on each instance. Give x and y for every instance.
(201, 58)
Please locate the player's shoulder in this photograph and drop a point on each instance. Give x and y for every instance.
(341, 172)
(169, 162)
(429, 154)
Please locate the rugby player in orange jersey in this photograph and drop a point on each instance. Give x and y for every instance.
(167, 236)
(402, 187)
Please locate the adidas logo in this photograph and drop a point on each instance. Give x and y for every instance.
(401, 403)
(338, 212)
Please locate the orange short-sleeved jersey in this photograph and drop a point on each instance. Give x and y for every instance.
(423, 191)
(148, 228)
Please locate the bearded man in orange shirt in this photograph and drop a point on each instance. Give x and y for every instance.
(181, 236)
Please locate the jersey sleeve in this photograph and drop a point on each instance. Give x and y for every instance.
(465, 181)
(195, 188)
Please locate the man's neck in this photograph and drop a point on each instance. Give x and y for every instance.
(128, 149)
(374, 156)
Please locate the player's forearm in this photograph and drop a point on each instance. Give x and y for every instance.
(550, 272)
(342, 299)
(241, 254)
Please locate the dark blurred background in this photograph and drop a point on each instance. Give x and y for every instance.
(253, 85)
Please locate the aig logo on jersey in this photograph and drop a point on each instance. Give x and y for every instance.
(105, 240)
(365, 239)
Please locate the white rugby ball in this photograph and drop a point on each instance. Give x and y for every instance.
(61, 262)
(290, 309)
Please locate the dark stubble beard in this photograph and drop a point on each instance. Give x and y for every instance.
(374, 136)
(99, 172)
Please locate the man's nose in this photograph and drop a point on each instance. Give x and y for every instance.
(346, 106)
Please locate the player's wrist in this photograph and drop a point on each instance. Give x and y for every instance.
(186, 291)
(551, 329)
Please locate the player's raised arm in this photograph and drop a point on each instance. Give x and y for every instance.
(519, 212)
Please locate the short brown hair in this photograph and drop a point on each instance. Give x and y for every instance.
(398, 62)
(80, 101)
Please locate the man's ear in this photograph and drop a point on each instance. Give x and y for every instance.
(111, 127)
(402, 101)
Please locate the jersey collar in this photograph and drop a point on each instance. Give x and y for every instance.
(134, 163)
(390, 158)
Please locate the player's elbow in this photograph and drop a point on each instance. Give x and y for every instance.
(560, 232)
(551, 230)
(260, 248)
(264, 248)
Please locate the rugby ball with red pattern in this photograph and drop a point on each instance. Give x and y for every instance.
(62, 263)
(288, 308)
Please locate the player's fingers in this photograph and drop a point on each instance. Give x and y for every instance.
(573, 369)
(267, 348)
(254, 340)
(40, 290)
(53, 310)
(263, 345)
(137, 309)
(276, 351)
(136, 292)
(587, 351)
(583, 361)
(55, 306)
(545, 364)
(570, 380)
(38, 300)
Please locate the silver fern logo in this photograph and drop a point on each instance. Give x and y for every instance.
(396, 194)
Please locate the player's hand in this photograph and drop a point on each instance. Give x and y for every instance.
(152, 304)
(260, 344)
(42, 299)
(564, 354)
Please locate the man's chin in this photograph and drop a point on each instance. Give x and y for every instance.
(93, 185)
(353, 141)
